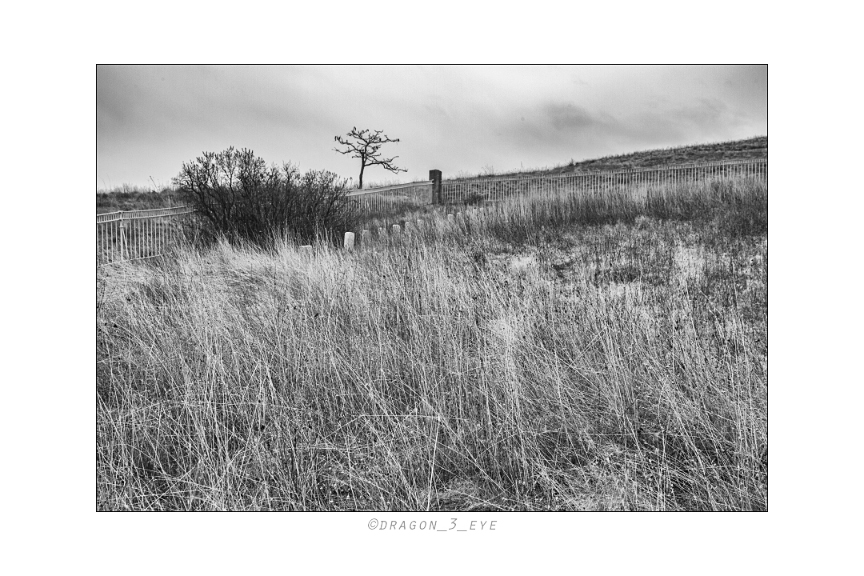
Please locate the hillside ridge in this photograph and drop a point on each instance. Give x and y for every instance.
(746, 149)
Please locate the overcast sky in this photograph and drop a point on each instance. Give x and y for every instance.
(460, 119)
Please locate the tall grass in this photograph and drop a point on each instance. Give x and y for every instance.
(733, 207)
(555, 355)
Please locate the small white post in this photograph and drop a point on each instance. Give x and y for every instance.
(396, 229)
(349, 240)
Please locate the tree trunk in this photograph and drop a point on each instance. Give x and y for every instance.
(362, 167)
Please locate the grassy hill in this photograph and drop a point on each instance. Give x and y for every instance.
(751, 148)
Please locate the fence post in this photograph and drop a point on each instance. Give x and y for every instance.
(349, 240)
(435, 176)
(123, 242)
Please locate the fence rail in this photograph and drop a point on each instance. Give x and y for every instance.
(137, 234)
(492, 189)
(414, 194)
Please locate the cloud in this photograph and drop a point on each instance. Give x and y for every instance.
(567, 116)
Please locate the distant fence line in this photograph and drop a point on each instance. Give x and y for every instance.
(497, 188)
(138, 234)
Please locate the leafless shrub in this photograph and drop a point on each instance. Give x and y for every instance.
(236, 195)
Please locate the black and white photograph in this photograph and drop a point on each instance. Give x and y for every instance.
(431, 288)
(387, 289)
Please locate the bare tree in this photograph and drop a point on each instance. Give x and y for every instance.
(366, 145)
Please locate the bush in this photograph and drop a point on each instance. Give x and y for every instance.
(237, 196)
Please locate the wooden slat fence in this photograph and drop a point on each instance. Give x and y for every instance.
(137, 234)
(400, 196)
(492, 189)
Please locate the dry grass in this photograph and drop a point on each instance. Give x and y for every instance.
(554, 356)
